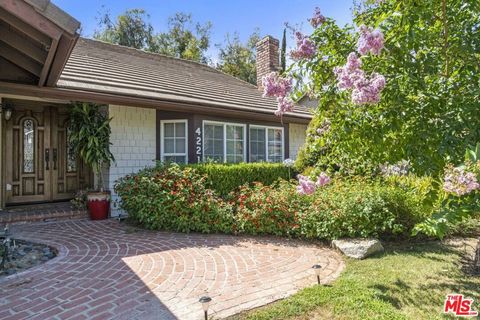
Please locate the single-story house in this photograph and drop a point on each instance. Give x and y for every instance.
(163, 108)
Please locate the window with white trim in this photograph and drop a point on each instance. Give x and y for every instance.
(223, 142)
(174, 146)
(266, 144)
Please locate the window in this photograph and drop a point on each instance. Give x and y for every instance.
(266, 144)
(223, 142)
(28, 146)
(174, 141)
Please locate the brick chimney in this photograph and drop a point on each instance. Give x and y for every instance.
(268, 57)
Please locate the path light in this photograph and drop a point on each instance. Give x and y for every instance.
(317, 268)
(205, 301)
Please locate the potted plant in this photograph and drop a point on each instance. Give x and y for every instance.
(90, 139)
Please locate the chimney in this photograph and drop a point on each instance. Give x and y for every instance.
(267, 58)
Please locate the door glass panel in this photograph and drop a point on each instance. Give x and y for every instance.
(71, 156)
(28, 146)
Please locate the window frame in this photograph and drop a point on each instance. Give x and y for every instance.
(162, 139)
(225, 124)
(266, 141)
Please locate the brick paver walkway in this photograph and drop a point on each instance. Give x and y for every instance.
(107, 270)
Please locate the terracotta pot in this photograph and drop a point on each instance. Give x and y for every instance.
(98, 204)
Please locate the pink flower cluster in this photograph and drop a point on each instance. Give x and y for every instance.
(307, 186)
(285, 104)
(317, 18)
(370, 41)
(324, 127)
(460, 182)
(276, 86)
(305, 47)
(364, 90)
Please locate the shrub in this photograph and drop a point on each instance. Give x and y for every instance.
(225, 178)
(173, 198)
(360, 208)
(275, 209)
(349, 208)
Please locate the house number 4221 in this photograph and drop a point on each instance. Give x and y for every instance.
(198, 144)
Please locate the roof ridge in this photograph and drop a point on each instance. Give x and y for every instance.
(156, 54)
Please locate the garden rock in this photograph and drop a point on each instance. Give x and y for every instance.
(358, 248)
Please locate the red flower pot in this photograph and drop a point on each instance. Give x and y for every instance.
(98, 204)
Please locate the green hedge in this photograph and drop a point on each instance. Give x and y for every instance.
(170, 197)
(225, 178)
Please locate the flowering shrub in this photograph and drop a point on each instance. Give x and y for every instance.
(342, 209)
(400, 168)
(460, 200)
(173, 198)
(307, 186)
(275, 209)
(417, 83)
(459, 181)
(280, 87)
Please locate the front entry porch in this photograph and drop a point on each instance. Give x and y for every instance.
(41, 212)
(37, 163)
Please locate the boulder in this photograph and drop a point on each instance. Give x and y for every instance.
(358, 248)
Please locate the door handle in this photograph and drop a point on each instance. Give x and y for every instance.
(55, 159)
(47, 159)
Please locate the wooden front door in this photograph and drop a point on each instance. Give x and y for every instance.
(40, 167)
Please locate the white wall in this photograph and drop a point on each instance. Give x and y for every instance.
(297, 136)
(133, 142)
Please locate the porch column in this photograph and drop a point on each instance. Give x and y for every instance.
(2, 160)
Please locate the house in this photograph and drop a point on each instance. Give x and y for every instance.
(163, 108)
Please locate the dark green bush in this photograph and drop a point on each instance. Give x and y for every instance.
(225, 178)
(173, 198)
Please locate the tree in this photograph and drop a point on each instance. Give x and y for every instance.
(183, 40)
(283, 59)
(130, 29)
(428, 112)
(239, 59)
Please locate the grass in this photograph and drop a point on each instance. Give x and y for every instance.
(408, 281)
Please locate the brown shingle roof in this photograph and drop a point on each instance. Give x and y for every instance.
(103, 67)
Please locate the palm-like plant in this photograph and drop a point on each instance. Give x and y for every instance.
(90, 137)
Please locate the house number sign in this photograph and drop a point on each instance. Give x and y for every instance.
(198, 144)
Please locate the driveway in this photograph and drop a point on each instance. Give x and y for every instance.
(109, 270)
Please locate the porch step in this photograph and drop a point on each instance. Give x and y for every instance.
(41, 212)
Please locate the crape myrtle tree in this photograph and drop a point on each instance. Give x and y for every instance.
(401, 86)
(403, 83)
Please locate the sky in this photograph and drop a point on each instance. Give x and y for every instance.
(226, 16)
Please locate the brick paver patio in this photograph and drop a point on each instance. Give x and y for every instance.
(107, 270)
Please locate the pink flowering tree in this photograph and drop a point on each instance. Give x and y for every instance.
(401, 83)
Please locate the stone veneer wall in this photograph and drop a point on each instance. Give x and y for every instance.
(297, 135)
(133, 142)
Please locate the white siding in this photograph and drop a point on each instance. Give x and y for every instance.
(297, 136)
(133, 141)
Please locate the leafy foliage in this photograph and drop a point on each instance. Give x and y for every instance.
(130, 29)
(90, 136)
(173, 198)
(184, 39)
(225, 178)
(428, 111)
(238, 59)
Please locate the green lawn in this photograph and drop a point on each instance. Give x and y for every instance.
(409, 281)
